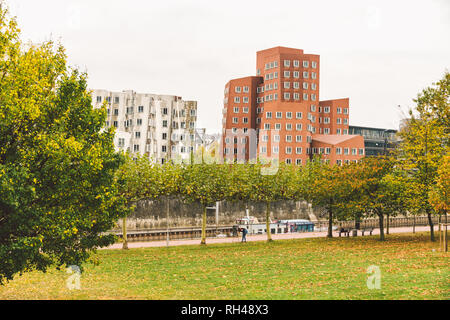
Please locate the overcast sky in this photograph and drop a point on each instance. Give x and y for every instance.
(380, 54)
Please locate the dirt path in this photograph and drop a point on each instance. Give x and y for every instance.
(262, 237)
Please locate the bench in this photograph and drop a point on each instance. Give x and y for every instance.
(368, 230)
(345, 231)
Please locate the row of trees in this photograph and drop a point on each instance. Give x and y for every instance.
(374, 187)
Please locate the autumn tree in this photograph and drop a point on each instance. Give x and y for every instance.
(425, 140)
(58, 190)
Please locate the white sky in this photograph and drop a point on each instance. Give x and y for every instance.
(380, 54)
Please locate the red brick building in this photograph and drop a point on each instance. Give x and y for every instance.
(277, 113)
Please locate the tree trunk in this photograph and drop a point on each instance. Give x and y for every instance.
(124, 234)
(380, 219)
(269, 236)
(204, 226)
(330, 223)
(430, 222)
(387, 224)
(414, 224)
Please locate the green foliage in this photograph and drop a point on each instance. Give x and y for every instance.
(58, 190)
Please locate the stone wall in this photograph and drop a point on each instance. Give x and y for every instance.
(153, 214)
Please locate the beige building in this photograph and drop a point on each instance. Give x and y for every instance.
(161, 127)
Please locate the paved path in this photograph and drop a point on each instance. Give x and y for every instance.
(262, 237)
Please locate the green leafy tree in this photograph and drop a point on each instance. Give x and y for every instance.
(205, 184)
(58, 190)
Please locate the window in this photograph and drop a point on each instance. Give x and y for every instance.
(288, 150)
(327, 150)
(287, 74)
(305, 64)
(313, 75)
(235, 120)
(193, 112)
(296, 96)
(298, 150)
(288, 161)
(298, 162)
(313, 86)
(298, 127)
(237, 89)
(279, 115)
(298, 138)
(345, 120)
(298, 115)
(277, 126)
(237, 100)
(345, 110)
(338, 150)
(164, 136)
(236, 109)
(314, 64)
(245, 99)
(338, 131)
(99, 99)
(313, 97)
(287, 96)
(361, 151)
(288, 126)
(245, 109)
(268, 115)
(296, 63)
(286, 85)
(137, 134)
(115, 124)
(305, 85)
(296, 85)
(305, 74)
(338, 110)
(287, 63)
(276, 138)
(246, 89)
(288, 115)
(121, 142)
(313, 108)
(266, 126)
(136, 148)
(275, 149)
(288, 138)
(305, 96)
(354, 151)
(245, 120)
(296, 74)
(326, 109)
(141, 109)
(326, 130)
(263, 149)
(164, 148)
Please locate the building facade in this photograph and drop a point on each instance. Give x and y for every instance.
(161, 127)
(377, 141)
(278, 114)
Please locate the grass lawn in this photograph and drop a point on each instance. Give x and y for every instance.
(317, 268)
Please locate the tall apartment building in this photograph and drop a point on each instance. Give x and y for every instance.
(162, 127)
(278, 114)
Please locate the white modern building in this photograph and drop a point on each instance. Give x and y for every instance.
(161, 127)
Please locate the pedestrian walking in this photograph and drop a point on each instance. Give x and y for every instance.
(244, 234)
